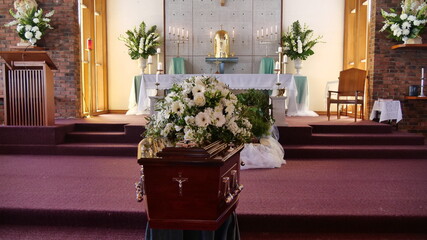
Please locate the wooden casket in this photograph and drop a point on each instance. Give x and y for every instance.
(191, 188)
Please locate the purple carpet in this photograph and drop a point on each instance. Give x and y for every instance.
(323, 196)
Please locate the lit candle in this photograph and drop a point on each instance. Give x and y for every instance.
(187, 35)
(233, 34)
(210, 34)
(257, 33)
(276, 29)
(89, 44)
(280, 49)
(158, 50)
(271, 30)
(150, 60)
(170, 29)
(285, 58)
(262, 32)
(277, 66)
(159, 66)
(266, 32)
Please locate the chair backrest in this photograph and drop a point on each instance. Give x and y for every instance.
(351, 80)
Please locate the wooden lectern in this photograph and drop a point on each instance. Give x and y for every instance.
(28, 88)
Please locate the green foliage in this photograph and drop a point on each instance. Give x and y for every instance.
(140, 42)
(298, 41)
(256, 109)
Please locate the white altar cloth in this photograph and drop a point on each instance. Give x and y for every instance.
(390, 109)
(234, 81)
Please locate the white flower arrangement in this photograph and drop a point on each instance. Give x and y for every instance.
(30, 23)
(140, 42)
(200, 110)
(299, 41)
(409, 24)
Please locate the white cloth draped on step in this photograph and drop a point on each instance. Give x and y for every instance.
(268, 153)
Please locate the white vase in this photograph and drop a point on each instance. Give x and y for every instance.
(23, 43)
(142, 64)
(416, 40)
(298, 65)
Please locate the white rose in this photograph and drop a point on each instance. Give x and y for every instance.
(35, 29)
(406, 32)
(38, 35)
(417, 23)
(28, 35)
(412, 18)
(28, 27)
(199, 100)
(406, 25)
(36, 20)
(189, 120)
(202, 119)
(404, 16)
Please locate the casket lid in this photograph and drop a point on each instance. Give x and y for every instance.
(216, 152)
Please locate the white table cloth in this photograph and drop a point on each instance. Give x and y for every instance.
(234, 81)
(390, 110)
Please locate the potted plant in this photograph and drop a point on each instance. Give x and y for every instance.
(409, 24)
(298, 43)
(141, 43)
(30, 22)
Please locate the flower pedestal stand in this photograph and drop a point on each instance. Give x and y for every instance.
(279, 110)
(190, 188)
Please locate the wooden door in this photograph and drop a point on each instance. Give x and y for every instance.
(94, 57)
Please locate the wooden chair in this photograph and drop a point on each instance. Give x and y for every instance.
(351, 87)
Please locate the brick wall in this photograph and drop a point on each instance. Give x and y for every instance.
(63, 47)
(393, 71)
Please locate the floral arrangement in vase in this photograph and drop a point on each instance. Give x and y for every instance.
(31, 23)
(199, 111)
(140, 42)
(299, 41)
(409, 24)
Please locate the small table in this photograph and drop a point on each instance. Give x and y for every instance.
(221, 62)
(389, 110)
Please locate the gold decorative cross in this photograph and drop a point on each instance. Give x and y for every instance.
(180, 180)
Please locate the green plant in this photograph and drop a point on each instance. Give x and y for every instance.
(298, 42)
(30, 23)
(257, 111)
(410, 23)
(140, 42)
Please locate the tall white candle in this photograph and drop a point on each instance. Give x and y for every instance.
(150, 60)
(210, 34)
(160, 66)
(280, 49)
(422, 72)
(276, 29)
(170, 28)
(277, 67)
(285, 58)
(158, 50)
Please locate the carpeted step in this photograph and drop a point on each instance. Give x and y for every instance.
(99, 127)
(352, 128)
(97, 149)
(89, 149)
(394, 138)
(96, 137)
(355, 151)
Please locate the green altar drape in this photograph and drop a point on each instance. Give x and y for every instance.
(266, 66)
(302, 87)
(177, 66)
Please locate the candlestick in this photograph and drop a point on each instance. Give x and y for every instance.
(157, 77)
(422, 73)
(422, 84)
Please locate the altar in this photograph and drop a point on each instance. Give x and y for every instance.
(296, 89)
